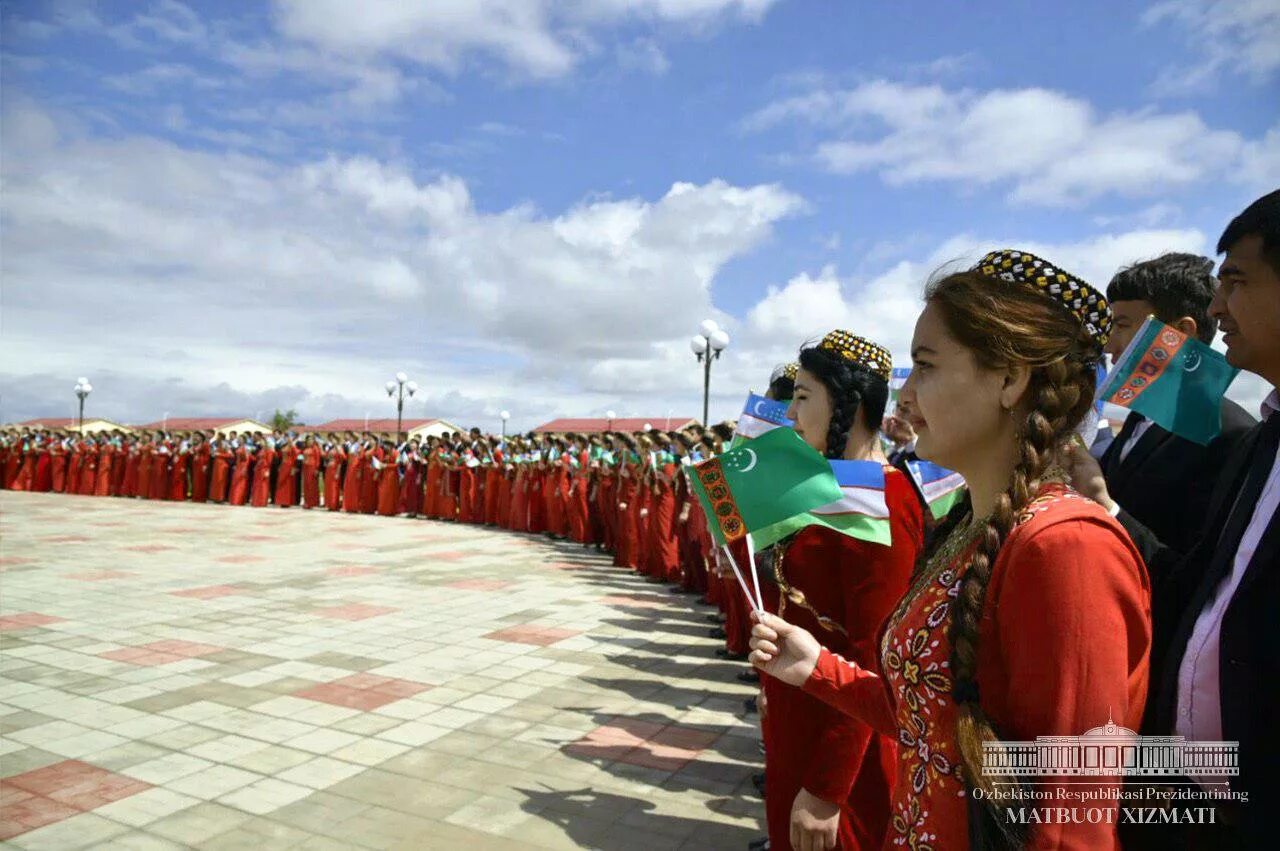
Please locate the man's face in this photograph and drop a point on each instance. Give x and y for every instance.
(1247, 307)
(1128, 317)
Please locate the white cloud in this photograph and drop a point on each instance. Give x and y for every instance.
(536, 38)
(330, 275)
(1047, 147)
(1239, 37)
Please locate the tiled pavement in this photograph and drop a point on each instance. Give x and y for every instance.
(177, 675)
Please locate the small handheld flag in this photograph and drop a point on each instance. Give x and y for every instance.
(760, 415)
(774, 477)
(861, 511)
(942, 488)
(1173, 380)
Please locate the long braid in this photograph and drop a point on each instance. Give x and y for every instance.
(844, 408)
(1058, 396)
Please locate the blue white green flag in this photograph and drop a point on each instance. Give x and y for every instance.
(861, 511)
(942, 488)
(760, 416)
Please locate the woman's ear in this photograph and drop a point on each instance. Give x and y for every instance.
(1014, 381)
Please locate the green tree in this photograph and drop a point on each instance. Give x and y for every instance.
(283, 421)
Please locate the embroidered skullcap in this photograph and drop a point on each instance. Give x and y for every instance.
(1086, 304)
(786, 370)
(859, 351)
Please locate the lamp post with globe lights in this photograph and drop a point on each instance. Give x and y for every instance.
(83, 389)
(707, 346)
(397, 390)
(504, 416)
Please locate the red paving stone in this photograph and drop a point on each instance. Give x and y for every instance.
(56, 792)
(354, 611)
(630, 602)
(149, 548)
(565, 565)
(65, 539)
(14, 561)
(189, 649)
(644, 743)
(365, 692)
(539, 635)
(160, 652)
(208, 592)
(261, 538)
(480, 584)
(352, 570)
(448, 555)
(99, 575)
(26, 620)
(240, 559)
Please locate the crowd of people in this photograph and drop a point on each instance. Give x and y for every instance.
(1063, 593)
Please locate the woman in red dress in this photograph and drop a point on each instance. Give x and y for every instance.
(201, 461)
(260, 495)
(287, 475)
(334, 460)
(161, 460)
(239, 493)
(178, 470)
(664, 551)
(30, 453)
(106, 467)
(353, 480)
(58, 464)
(42, 480)
(1029, 615)
(141, 483)
(431, 479)
(88, 468)
(370, 480)
(411, 467)
(388, 498)
(13, 459)
(312, 457)
(535, 503)
(223, 458)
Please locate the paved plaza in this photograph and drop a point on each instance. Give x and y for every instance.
(177, 675)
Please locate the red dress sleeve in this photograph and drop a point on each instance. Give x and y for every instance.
(1065, 640)
(853, 690)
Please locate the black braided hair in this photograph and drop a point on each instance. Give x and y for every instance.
(852, 389)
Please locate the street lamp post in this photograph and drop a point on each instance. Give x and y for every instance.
(610, 415)
(83, 389)
(505, 415)
(397, 390)
(707, 346)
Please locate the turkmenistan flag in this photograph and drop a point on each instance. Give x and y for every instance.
(774, 477)
(758, 416)
(1173, 380)
(861, 511)
(942, 488)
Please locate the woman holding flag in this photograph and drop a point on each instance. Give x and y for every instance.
(1029, 613)
(829, 775)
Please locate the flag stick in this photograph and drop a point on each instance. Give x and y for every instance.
(755, 574)
(741, 581)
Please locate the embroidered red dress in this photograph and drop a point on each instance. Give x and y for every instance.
(808, 744)
(1063, 646)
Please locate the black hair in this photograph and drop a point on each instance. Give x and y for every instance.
(852, 389)
(1261, 218)
(724, 431)
(1175, 284)
(781, 388)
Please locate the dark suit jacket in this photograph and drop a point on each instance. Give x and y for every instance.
(1249, 642)
(1163, 484)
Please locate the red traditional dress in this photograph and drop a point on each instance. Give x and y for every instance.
(535, 504)
(220, 478)
(311, 458)
(88, 471)
(388, 485)
(369, 480)
(353, 482)
(12, 463)
(505, 485)
(140, 471)
(664, 549)
(106, 468)
(43, 480)
(201, 459)
(27, 473)
(852, 585)
(239, 493)
(161, 458)
(262, 461)
(58, 467)
(411, 485)
(287, 476)
(1062, 648)
(334, 460)
(178, 473)
(118, 464)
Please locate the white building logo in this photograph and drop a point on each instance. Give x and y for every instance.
(1111, 751)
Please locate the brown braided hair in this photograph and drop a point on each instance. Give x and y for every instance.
(1006, 324)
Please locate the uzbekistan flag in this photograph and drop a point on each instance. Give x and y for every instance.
(772, 478)
(898, 378)
(942, 488)
(760, 415)
(861, 511)
(1173, 380)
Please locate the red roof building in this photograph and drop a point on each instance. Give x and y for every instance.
(589, 425)
(415, 427)
(204, 424)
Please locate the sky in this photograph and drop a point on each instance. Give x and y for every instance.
(221, 209)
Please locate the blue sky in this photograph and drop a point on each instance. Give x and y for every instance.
(222, 208)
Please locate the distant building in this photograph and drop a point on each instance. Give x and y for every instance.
(590, 425)
(92, 425)
(220, 425)
(414, 428)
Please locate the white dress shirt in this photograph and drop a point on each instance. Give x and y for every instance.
(1199, 684)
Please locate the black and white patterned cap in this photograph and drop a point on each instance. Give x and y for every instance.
(1086, 304)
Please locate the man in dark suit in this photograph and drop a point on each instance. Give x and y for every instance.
(1161, 481)
(1215, 659)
